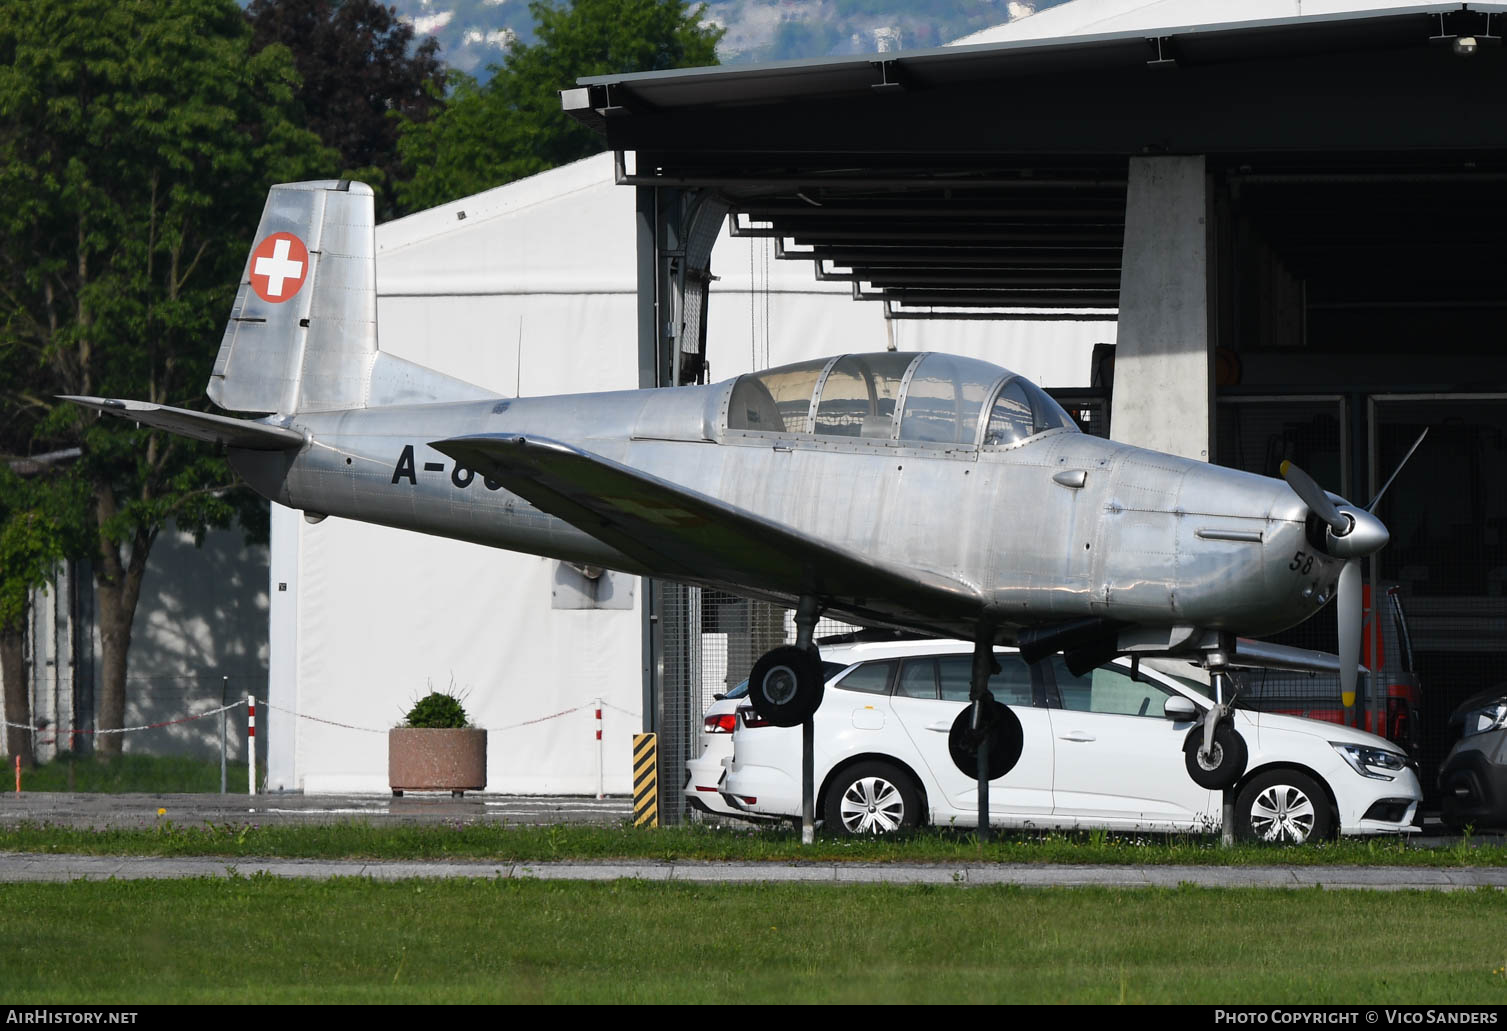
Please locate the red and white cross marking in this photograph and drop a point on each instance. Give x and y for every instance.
(279, 266)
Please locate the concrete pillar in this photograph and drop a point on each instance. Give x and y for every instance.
(278, 727)
(1164, 358)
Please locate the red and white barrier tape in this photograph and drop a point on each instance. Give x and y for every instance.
(333, 723)
(144, 726)
(320, 719)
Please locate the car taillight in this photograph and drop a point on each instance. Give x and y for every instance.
(1397, 719)
(720, 724)
(752, 719)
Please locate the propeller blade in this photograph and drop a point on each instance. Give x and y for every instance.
(1314, 497)
(1372, 506)
(1348, 605)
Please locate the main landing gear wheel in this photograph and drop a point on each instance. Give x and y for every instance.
(1223, 767)
(1002, 729)
(785, 686)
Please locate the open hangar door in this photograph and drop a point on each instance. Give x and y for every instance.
(1361, 305)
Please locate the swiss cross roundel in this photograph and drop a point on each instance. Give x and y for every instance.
(279, 266)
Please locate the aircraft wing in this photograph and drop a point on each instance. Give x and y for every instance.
(219, 429)
(685, 535)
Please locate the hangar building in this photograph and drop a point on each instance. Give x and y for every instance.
(1297, 219)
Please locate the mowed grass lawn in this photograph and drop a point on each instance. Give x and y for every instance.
(262, 939)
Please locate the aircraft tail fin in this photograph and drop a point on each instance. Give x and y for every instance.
(302, 336)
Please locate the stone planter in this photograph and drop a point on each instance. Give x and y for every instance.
(423, 759)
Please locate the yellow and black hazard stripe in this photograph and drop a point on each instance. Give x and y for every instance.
(645, 781)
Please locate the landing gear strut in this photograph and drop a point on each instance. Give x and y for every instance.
(786, 689)
(986, 738)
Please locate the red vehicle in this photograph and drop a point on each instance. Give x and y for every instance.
(1394, 713)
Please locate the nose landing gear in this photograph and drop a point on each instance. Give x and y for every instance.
(1214, 751)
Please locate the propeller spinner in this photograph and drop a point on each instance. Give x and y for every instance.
(1351, 533)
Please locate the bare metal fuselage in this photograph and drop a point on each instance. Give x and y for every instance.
(1059, 526)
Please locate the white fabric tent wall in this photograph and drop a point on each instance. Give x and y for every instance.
(532, 286)
(1093, 17)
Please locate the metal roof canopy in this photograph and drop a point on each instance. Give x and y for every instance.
(992, 177)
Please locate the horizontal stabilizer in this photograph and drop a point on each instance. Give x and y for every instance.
(220, 429)
(697, 538)
(1266, 655)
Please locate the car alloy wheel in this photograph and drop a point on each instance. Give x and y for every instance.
(872, 806)
(1282, 813)
(872, 798)
(1283, 807)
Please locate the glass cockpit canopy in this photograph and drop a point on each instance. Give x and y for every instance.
(926, 398)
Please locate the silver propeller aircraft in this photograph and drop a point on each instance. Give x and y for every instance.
(922, 491)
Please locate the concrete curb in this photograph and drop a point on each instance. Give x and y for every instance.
(31, 867)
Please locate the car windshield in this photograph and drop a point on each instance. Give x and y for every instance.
(1202, 690)
(1186, 675)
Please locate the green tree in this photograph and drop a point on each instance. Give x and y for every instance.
(42, 521)
(360, 78)
(137, 142)
(512, 126)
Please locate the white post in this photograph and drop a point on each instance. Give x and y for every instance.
(224, 729)
(251, 744)
(599, 750)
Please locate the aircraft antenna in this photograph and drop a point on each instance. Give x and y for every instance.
(518, 369)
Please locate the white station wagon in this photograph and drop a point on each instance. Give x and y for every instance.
(1100, 752)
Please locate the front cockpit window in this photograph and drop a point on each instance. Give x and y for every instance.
(1011, 418)
(1022, 409)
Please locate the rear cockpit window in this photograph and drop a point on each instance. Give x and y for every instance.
(777, 400)
(859, 395)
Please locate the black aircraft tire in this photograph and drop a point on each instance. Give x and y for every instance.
(1227, 763)
(785, 686)
(1006, 740)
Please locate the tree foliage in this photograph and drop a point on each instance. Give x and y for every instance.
(512, 126)
(42, 520)
(360, 77)
(137, 142)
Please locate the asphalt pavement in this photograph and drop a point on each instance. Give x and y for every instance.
(101, 811)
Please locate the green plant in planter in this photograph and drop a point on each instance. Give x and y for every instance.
(437, 710)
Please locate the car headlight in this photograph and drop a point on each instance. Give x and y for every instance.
(1376, 763)
(1491, 716)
